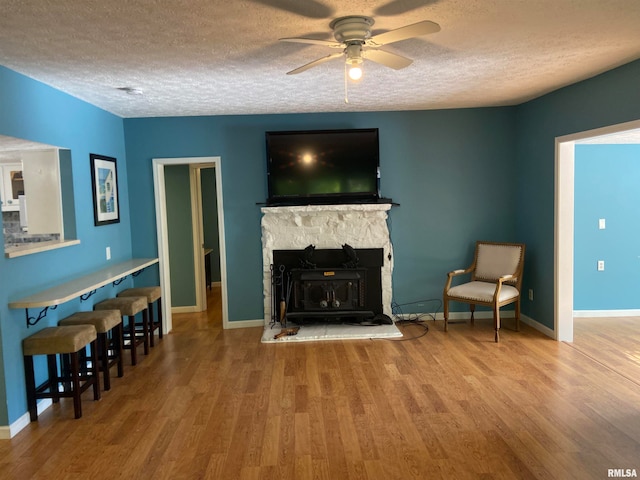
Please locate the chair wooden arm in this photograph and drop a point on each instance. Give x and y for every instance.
(501, 280)
(455, 273)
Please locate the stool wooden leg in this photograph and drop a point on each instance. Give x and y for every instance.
(151, 325)
(53, 383)
(94, 370)
(118, 347)
(145, 330)
(103, 347)
(31, 387)
(132, 340)
(160, 318)
(75, 380)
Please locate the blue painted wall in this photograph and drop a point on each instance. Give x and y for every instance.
(606, 186)
(608, 99)
(451, 171)
(459, 175)
(180, 233)
(36, 112)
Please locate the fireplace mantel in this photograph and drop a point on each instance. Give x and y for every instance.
(326, 226)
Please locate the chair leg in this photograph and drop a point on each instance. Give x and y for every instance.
(472, 309)
(496, 317)
(52, 372)
(31, 387)
(103, 346)
(160, 318)
(118, 347)
(75, 380)
(151, 325)
(145, 330)
(132, 340)
(518, 315)
(94, 370)
(446, 314)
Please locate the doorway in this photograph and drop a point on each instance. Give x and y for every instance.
(194, 163)
(564, 223)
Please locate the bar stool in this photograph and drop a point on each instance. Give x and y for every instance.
(153, 294)
(108, 325)
(53, 341)
(130, 307)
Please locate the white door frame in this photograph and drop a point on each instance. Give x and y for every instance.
(163, 236)
(564, 218)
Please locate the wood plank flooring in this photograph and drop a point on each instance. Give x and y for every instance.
(614, 342)
(209, 403)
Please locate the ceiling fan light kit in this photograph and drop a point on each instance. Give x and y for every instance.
(354, 61)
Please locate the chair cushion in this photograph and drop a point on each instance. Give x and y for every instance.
(127, 305)
(53, 340)
(103, 320)
(482, 292)
(152, 293)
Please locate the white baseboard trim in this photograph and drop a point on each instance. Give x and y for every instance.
(245, 324)
(189, 309)
(605, 313)
(455, 316)
(538, 326)
(8, 432)
(215, 284)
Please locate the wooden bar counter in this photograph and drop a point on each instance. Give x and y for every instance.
(67, 291)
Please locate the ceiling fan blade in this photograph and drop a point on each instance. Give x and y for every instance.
(308, 8)
(315, 63)
(403, 33)
(397, 7)
(313, 41)
(387, 59)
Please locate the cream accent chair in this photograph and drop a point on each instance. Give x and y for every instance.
(496, 280)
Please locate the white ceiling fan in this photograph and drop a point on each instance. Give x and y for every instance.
(353, 38)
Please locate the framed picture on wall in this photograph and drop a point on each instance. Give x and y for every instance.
(104, 182)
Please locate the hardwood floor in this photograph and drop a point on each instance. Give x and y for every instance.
(613, 342)
(216, 404)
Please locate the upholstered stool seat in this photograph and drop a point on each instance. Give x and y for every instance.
(153, 294)
(53, 341)
(108, 325)
(130, 307)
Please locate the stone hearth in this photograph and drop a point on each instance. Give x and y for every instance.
(326, 227)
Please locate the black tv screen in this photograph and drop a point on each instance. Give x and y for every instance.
(322, 166)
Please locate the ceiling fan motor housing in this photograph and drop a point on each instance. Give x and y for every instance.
(352, 29)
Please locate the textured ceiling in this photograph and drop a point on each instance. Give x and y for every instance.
(213, 57)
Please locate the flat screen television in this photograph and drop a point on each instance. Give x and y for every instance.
(322, 166)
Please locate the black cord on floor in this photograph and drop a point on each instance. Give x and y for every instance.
(418, 319)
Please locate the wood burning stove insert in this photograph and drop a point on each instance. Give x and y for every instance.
(327, 284)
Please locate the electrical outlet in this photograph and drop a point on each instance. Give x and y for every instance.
(600, 265)
(531, 294)
(108, 253)
(602, 224)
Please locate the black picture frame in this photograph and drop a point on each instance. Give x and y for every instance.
(104, 184)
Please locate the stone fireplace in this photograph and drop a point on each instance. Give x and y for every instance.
(361, 226)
